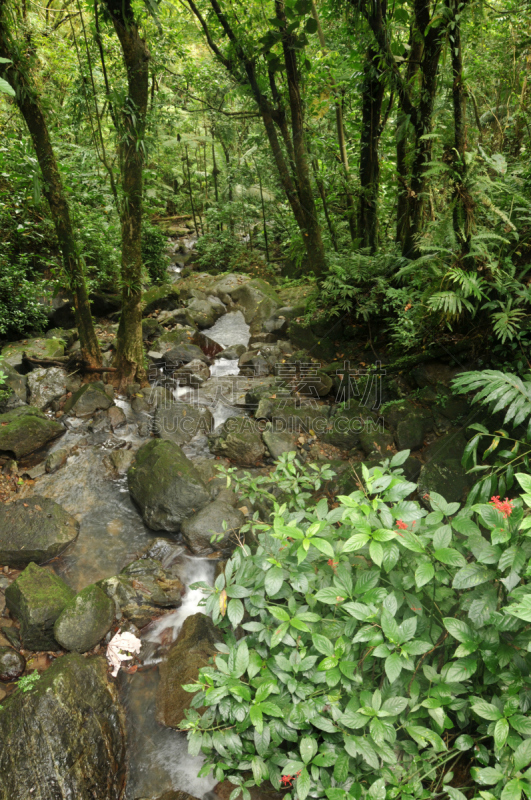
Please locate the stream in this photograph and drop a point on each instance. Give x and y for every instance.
(112, 534)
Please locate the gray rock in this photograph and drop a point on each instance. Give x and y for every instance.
(230, 282)
(377, 444)
(151, 329)
(345, 426)
(240, 441)
(446, 477)
(173, 338)
(116, 416)
(410, 432)
(192, 650)
(289, 416)
(24, 430)
(12, 664)
(66, 736)
(46, 385)
(122, 459)
(254, 365)
(183, 354)
(204, 313)
(35, 599)
(85, 620)
(89, 398)
(198, 530)
(179, 316)
(34, 348)
(36, 529)
(233, 352)
(257, 300)
(160, 298)
(451, 445)
(16, 384)
(195, 373)
(180, 422)
(165, 485)
(278, 443)
(56, 460)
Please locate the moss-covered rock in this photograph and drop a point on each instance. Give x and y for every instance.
(173, 338)
(46, 385)
(278, 443)
(34, 348)
(89, 398)
(12, 664)
(179, 422)
(165, 485)
(85, 620)
(24, 430)
(240, 441)
(161, 298)
(66, 736)
(36, 529)
(193, 648)
(35, 599)
(446, 477)
(410, 432)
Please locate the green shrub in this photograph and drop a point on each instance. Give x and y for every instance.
(383, 644)
(20, 309)
(154, 254)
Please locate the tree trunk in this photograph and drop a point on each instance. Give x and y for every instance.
(372, 99)
(29, 105)
(129, 358)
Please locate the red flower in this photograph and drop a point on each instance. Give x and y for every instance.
(332, 563)
(504, 506)
(401, 525)
(287, 779)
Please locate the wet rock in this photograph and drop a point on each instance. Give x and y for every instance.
(183, 354)
(233, 352)
(193, 649)
(56, 460)
(85, 620)
(204, 313)
(143, 589)
(164, 550)
(122, 459)
(24, 430)
(165, 485)
(410, 432)
(276, 325)
(257, 300)
(35, 599)
(140, 405)
(278, 443)
(446, 477)
(12, 664)
(116, 417)
(160, 298)
(91, 397)
(174, 338)
(34, 348)
(376, 444)
(179, 316)
(239, 440)
(198, 530)
(195, 373)
(345, 425)
(254, 365)
(451, 445)
(180, 422)
(45, 385)
(287, 415)
(66, 736)
(36, 529)
(16, 384)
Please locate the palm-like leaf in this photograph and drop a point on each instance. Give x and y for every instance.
(501, 390)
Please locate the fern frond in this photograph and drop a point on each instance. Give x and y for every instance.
(499, 389)
(449, 302)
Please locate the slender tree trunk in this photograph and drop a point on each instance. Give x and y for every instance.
(29, 105)
(129, 349)
(372, 99)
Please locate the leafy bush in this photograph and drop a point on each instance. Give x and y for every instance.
(154, 253)
(222, 252)
(379, 646)
(20, 309)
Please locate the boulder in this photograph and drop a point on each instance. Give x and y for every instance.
(410, 432)
(194, 373)
(193, 649)
(85, 620)
(16, 384)
(12, 664)
(198, 530)
(143, 589)
(278, 443)
(314, 339)
(116, 417)
(173, 338)
(121, 460)
(183, 354)
(345, 425)
(46, 385)
(180, 422)
(377, 444)
(257, 300)
(229, 283)
(254, 365)
(446, 477)
(66, 736)
(204, 313)
(165, 485)
(24, 430)
(287, 415)
(35, 529)
(56, 460)
(232, 353)
(89, 398)
(34, 348)
(102, 304)
(451, 445)
(35, 599)
(151, 329)
(179, 316)
(160, 298)
(239, 440)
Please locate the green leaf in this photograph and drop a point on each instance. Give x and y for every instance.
(458, 629)
(310, 27)
(271, 708)
(389, 626)
(488, 776)
(377, 790)
(411, 541)
(522, 755)
(273, 580)
(235, 612)
(324, 546)
(303, 784)
(521, 724)
(486, 710)
(524, 481)
(400, 458)
(238, 591)
(341, 767)
(464, 742)
(279, 613)
(323, 644)
(512, 790)
(355, 542)
(279, 634)
(5, 88)
(447, 555)
(308, 747)
(242, 658)
(521, 610)
(195, 741)
(472, 575)
(501, 732)
(393, 666)
(395, 705)
(330, 596)
(424, 573)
